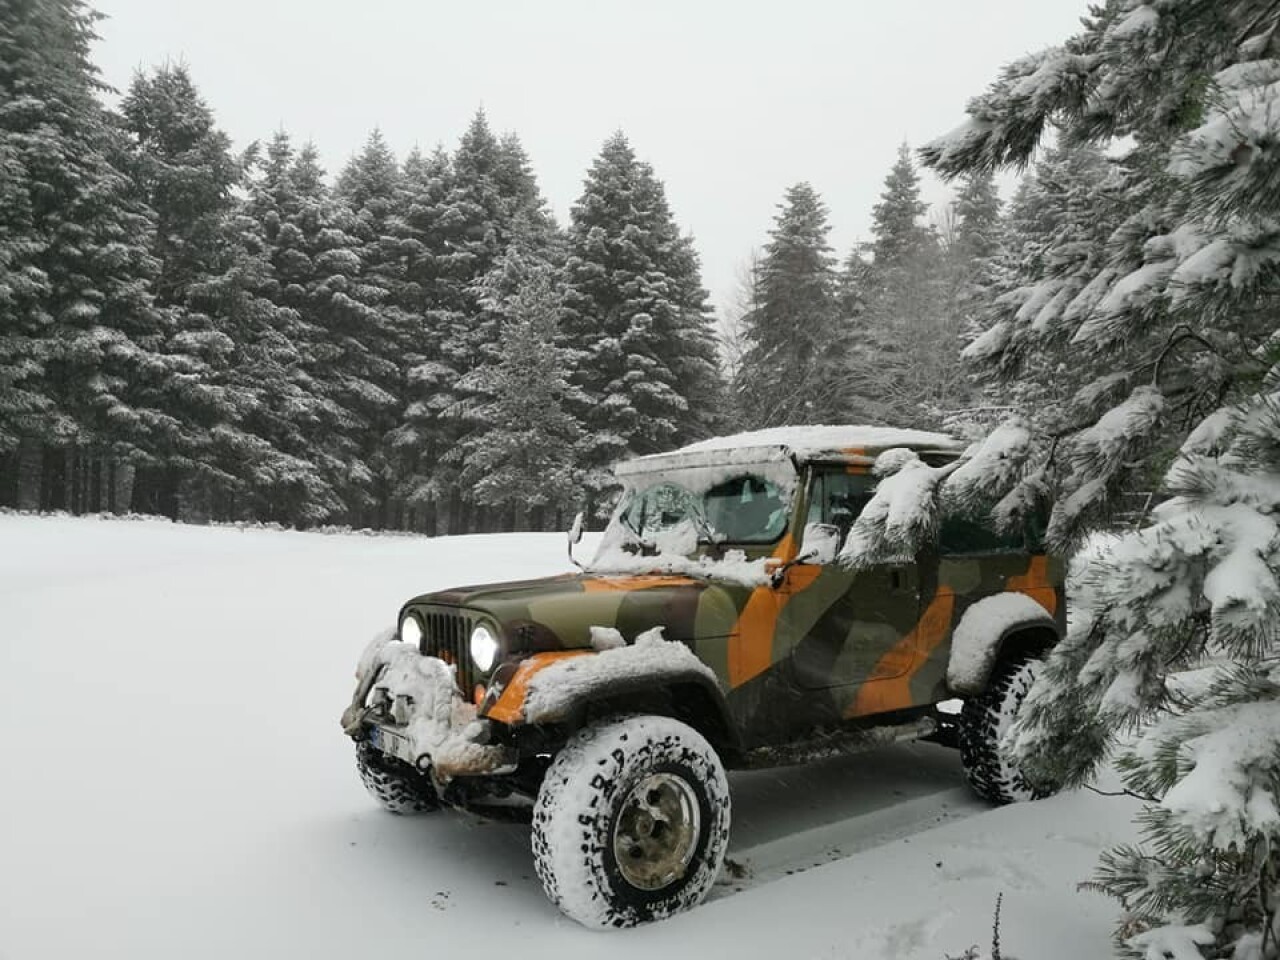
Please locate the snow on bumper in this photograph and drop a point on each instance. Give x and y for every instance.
(415, 700)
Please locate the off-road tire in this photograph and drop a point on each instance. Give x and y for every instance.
(393, 783)
(983, 722)
(577, 817)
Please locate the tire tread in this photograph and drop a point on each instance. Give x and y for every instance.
(573, 810)
(400, 792)
(983, 722)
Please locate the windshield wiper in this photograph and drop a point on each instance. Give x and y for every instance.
(705, 530)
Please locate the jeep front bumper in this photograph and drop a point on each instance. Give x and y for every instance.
(407, 705)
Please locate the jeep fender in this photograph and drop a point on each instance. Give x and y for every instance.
(556, 687)
(984, 631)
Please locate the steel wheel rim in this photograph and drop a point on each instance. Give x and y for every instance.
(656, 832)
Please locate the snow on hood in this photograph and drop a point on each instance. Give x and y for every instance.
(674, 549)
(733, 567)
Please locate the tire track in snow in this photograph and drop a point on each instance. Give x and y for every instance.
(792, 820)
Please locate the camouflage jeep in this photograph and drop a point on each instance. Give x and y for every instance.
(718, 627)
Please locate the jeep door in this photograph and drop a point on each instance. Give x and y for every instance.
(862, 631)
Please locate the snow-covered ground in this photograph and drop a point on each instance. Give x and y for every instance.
(175, 784)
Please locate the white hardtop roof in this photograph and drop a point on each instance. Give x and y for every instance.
(853, 444)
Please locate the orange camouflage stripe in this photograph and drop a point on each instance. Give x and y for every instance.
(1035, 583)
(509, 708)
(607, 584)
(752, 638)
(889, 686)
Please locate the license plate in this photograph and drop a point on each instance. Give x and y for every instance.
(396, 744)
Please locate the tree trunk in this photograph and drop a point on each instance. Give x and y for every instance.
(192, 501)
(167, 494)
(450, 515)
(154, 491)
(8, 479)
(89, 483)
(102, 479)
(123, 476)
(69, 480)
(30, 474)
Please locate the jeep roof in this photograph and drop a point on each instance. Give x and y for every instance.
(840, 444)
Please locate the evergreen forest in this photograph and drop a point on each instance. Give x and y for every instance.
(412, 342)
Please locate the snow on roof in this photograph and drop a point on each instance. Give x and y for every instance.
(805, 443)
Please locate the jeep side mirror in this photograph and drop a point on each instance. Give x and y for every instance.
(821, 543)
(575, 536)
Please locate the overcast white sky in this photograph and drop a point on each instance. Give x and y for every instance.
(730, 100)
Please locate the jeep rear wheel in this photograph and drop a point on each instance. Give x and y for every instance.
(393, 783)
(632, 822)
(983, 723)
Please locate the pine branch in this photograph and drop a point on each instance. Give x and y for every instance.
(1180, 335)
(1146, 798)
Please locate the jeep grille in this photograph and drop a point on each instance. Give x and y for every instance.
(446, 633)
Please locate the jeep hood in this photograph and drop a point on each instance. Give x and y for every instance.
(558, 612)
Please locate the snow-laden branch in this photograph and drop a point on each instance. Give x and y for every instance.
(912, 496)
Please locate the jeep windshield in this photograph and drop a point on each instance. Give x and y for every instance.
(747, 509)
(717, 520)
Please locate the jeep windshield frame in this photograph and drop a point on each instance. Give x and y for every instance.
(744, 509)
(741, 503)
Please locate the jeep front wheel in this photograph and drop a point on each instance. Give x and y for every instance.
(393, 783)
(983, 723)
(631, 823)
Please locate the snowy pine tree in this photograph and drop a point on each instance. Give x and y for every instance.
(335, 323)
(526, 219)
(792, 371)
(972, 234)
(1169, 317)
(367, 320)
(431, 297)
(900, 236)
(78, 331)
(977, 213)
(853, 295)
(1061, 212)
(637, 310)
(495, 201)
(903, 366)
(280, 454)
(519, 451)
(460, 215)
(184, 170)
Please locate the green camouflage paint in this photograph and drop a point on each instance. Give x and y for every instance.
(823, 645)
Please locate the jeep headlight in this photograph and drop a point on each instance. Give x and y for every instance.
(484, 648)
(410, 630)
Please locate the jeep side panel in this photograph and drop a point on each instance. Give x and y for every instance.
(824, 646)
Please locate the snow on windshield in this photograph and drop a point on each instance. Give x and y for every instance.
(666, 517)
(744, 509)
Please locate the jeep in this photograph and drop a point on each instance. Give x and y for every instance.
(719, 627)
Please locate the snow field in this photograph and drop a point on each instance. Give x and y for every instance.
(176, 783)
